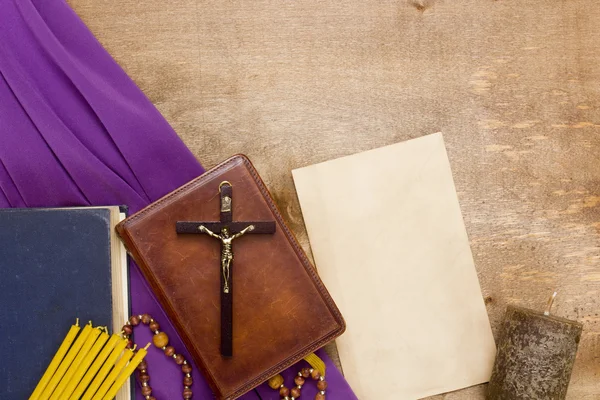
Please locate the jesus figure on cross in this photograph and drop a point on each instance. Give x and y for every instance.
(226, 251)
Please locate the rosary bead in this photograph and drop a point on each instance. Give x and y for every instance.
(146, 318)
(284, 392)
(160, 340)
(142, 366)
(150, 398)
(275, 381)
(322, 385)
(320, 396)
(169, 351)
(315, 374)
(129, 344)
(295, 392)
(154, 326)
(186, 368)
(143, 377)
(188, 381)
(134, 320)
(127, 329)
(305, 372)
(299, 381)
(146, 390)
(179, 359)
(187, 393)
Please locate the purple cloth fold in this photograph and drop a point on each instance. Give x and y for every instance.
(75, 131)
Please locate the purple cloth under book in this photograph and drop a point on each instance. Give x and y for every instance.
(77, 131)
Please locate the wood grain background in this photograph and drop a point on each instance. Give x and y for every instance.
(513, 85)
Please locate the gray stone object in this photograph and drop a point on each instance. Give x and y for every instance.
(535, 356)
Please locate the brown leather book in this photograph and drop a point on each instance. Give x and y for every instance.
(232, 277)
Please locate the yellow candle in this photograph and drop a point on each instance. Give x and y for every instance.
(126, 373)
(66, 362)
(110, 361)
(110, 379)
(85, 349)
(114, 339)
(85, 364)
(62, 350)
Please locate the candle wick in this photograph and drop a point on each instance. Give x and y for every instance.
(550, 302)
(147, 346)
(77, 322)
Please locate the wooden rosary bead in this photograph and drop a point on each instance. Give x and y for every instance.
(275, 381)
(154, 326)
(134, 320)
(305, 372)
(146, 390)
(146, 318)
(187, 393)
(127, 329)
(142, 366)
(130, 344)
(322, 385)
(295, 392)
(160, 340)
(186, 368)
(169, 351)
(320, 396)
(284, 392)
(188, 381)
(299, 380)
(144, 377)
(179, 359)
(315, 374)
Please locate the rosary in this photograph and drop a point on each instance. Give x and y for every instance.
(161, 340)
(276, 383)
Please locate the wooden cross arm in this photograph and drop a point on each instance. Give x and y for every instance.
(234, 227)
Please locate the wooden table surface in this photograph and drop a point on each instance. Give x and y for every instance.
(513, 85)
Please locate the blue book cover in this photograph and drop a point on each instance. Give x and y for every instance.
(55, 266)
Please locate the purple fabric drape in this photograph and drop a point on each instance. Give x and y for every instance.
(75, 130)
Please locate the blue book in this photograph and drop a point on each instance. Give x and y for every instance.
(56, 265)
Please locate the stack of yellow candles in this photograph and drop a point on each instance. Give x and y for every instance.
(89, 365)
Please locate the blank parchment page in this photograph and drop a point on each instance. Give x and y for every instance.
(389, 242)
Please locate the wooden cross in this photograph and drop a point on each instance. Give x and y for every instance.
(226, 230)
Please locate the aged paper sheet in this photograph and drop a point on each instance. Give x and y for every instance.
(389, 242)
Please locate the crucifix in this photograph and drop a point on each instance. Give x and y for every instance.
(226, 231)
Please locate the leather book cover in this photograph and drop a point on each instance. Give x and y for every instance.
(280, 310)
